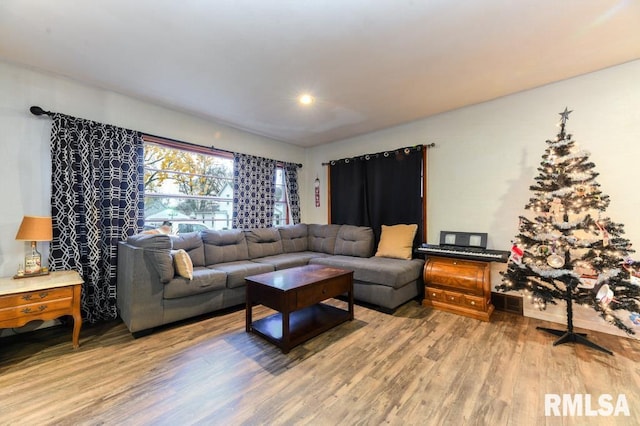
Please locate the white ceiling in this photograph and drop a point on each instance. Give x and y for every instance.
(371, 64)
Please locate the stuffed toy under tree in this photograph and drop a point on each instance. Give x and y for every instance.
(567, 249)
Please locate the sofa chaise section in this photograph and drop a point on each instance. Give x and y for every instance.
(380, 281)
(383, 282)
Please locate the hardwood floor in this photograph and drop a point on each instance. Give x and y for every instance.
(418, 366)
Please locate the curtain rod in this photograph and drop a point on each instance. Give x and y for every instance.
(178, 141)
(431, 145)
(36, 110)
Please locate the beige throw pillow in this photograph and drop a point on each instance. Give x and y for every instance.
(183, 263)
(396, 241)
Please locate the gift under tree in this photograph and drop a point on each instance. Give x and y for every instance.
(568, 249)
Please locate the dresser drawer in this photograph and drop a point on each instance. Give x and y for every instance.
(28, 298)
(453, 298)
(434, 294)
(473, 302)
(310, 295)
(35, 309)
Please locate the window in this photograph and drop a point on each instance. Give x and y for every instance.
(192, 187)
(193, 190)
(281, 207)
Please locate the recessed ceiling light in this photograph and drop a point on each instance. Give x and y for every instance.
(306, 99)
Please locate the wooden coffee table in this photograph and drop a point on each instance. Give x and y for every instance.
(296, 294)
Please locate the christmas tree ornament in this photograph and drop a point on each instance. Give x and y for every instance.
(555, 261)
(556, 210)
(634, 276)
(605, 234)
(604, 295)
(581, 190)
(516, 254)
(543, 250)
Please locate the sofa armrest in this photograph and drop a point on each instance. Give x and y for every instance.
(139, 289)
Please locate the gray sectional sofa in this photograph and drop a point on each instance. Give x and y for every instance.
(150, 293)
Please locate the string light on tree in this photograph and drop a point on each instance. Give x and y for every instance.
(567, 250)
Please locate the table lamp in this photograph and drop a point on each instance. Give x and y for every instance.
(34, 229)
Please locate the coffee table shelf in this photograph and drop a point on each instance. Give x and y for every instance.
(303, 324)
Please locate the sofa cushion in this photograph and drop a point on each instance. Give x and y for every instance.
(294, 238)
(289, 260)
(354, 241)
(224, 246)
(191, 242)
(396, 241)
(263, 242)
(379, 270)
(238, 270)
(322, 238)
(157, 252)
(182, 263)
(204, 280)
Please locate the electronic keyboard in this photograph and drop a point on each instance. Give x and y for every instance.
(469, 253)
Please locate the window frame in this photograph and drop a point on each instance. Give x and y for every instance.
(212, 151)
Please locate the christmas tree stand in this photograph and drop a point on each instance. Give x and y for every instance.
(569, 335)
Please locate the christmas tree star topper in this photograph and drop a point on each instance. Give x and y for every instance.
(564, 115)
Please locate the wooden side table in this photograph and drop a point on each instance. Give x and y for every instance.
(41, 298)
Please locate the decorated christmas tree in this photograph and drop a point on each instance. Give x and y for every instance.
(568, 249)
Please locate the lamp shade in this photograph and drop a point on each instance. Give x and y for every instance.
(35, 228)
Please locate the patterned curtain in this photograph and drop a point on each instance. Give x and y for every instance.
(291, 180)
(253, 191)
(97, 199)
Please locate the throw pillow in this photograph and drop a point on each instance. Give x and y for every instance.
(396, 241)
(183, 263)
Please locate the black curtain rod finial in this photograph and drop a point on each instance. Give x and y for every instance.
(36, 110)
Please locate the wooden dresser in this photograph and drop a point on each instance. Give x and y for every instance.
(458, 286)
(41, 298)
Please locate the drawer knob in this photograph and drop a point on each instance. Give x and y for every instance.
(26, 297)
(473, 302)
(43, 294)
(433, 294)
(453, 298)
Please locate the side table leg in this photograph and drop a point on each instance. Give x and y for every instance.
(77, 316)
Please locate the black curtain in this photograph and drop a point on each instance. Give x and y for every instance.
(348, 195)
(378, 189)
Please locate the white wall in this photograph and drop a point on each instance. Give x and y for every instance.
(487, 155)
(24, 141)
